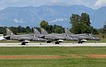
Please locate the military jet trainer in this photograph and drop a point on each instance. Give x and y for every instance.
(82, 37)
(24, 38)
(52, 37)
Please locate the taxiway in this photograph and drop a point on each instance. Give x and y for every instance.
(50, 44)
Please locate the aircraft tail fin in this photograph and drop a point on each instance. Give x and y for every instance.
(43, 31)
(9, 32)
(36, 31)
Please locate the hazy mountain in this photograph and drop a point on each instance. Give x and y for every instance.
(99, 17)
(58, 4)
(32, 16)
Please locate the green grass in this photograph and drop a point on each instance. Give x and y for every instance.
(9, 41)
(102, 40)
(51, 50)
(53, 62)
(64, 62)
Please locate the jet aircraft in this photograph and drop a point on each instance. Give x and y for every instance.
(25, 38)
(52, 37)
(81, 37)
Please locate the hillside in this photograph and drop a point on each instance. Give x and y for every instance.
(60, 15)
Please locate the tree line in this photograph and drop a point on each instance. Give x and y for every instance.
(51, 28)
(28, 30)
(81, 24)
(16, 30)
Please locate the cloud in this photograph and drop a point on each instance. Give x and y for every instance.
(19, 21)
(59, 19)
(100, 3)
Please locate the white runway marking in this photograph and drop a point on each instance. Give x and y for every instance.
(50, 44)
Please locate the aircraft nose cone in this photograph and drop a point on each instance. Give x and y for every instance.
(96, 38)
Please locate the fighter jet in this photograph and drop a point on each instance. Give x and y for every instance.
(25, 38)
(81, 37)
(52, 37)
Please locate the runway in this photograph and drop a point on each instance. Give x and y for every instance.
(50, 44)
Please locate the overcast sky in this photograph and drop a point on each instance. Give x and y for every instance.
(21, 3)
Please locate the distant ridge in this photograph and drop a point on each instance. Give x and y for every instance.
(58, 4)
(60, 15)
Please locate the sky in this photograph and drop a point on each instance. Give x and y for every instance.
(22, 3)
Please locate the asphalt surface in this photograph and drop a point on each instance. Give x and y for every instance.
(50, 44)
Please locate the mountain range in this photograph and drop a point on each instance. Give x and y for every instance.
(55, 14)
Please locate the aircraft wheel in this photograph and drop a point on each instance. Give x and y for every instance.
(56, 42)
(48, 41)
(23, 43)
(81, 42)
